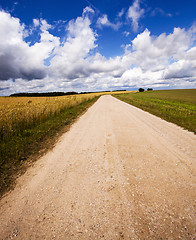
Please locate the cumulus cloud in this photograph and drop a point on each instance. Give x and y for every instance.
(17, 58)
(69, 60)
(75, 63)
(180, 69)
(135, 13)
(159, 59)
(150, 51)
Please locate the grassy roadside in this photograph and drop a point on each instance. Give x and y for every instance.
(19, 150)
(176, 106)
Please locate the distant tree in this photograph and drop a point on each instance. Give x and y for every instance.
(141, 90)
(149, 89)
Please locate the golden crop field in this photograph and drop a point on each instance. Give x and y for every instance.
(17, 113)
(31, 124)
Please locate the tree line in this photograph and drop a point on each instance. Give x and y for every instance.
(47, 94)
(142, 90)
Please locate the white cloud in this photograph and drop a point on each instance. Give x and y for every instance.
(135, 13)
(160, 11)
(88, 10)
(103, 21)
(69, 60)
(44, 25)
(17, 58)
(162, 60)
(181, 69)
(126, 33)
(150, 51)
(167, 60)
(121, 13)
(36, 22)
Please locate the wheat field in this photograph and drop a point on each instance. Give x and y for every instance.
(19, 113)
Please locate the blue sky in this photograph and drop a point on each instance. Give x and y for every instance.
(92, 45)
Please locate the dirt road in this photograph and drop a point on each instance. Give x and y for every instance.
(119, 173)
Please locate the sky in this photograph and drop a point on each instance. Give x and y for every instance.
(96, 45)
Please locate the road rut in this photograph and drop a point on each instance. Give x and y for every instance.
(119, 173)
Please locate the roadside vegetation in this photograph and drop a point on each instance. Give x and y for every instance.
(176, 106)
(30, 125)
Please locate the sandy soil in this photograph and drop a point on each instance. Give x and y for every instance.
(119, 173)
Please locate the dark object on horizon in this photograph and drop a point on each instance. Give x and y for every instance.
(93, 92)
(141, 90)
(47, 94)
(119, 90)
(149, 89)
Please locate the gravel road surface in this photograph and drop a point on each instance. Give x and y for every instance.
(119, 173)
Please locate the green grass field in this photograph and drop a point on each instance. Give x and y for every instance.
(176, 106)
